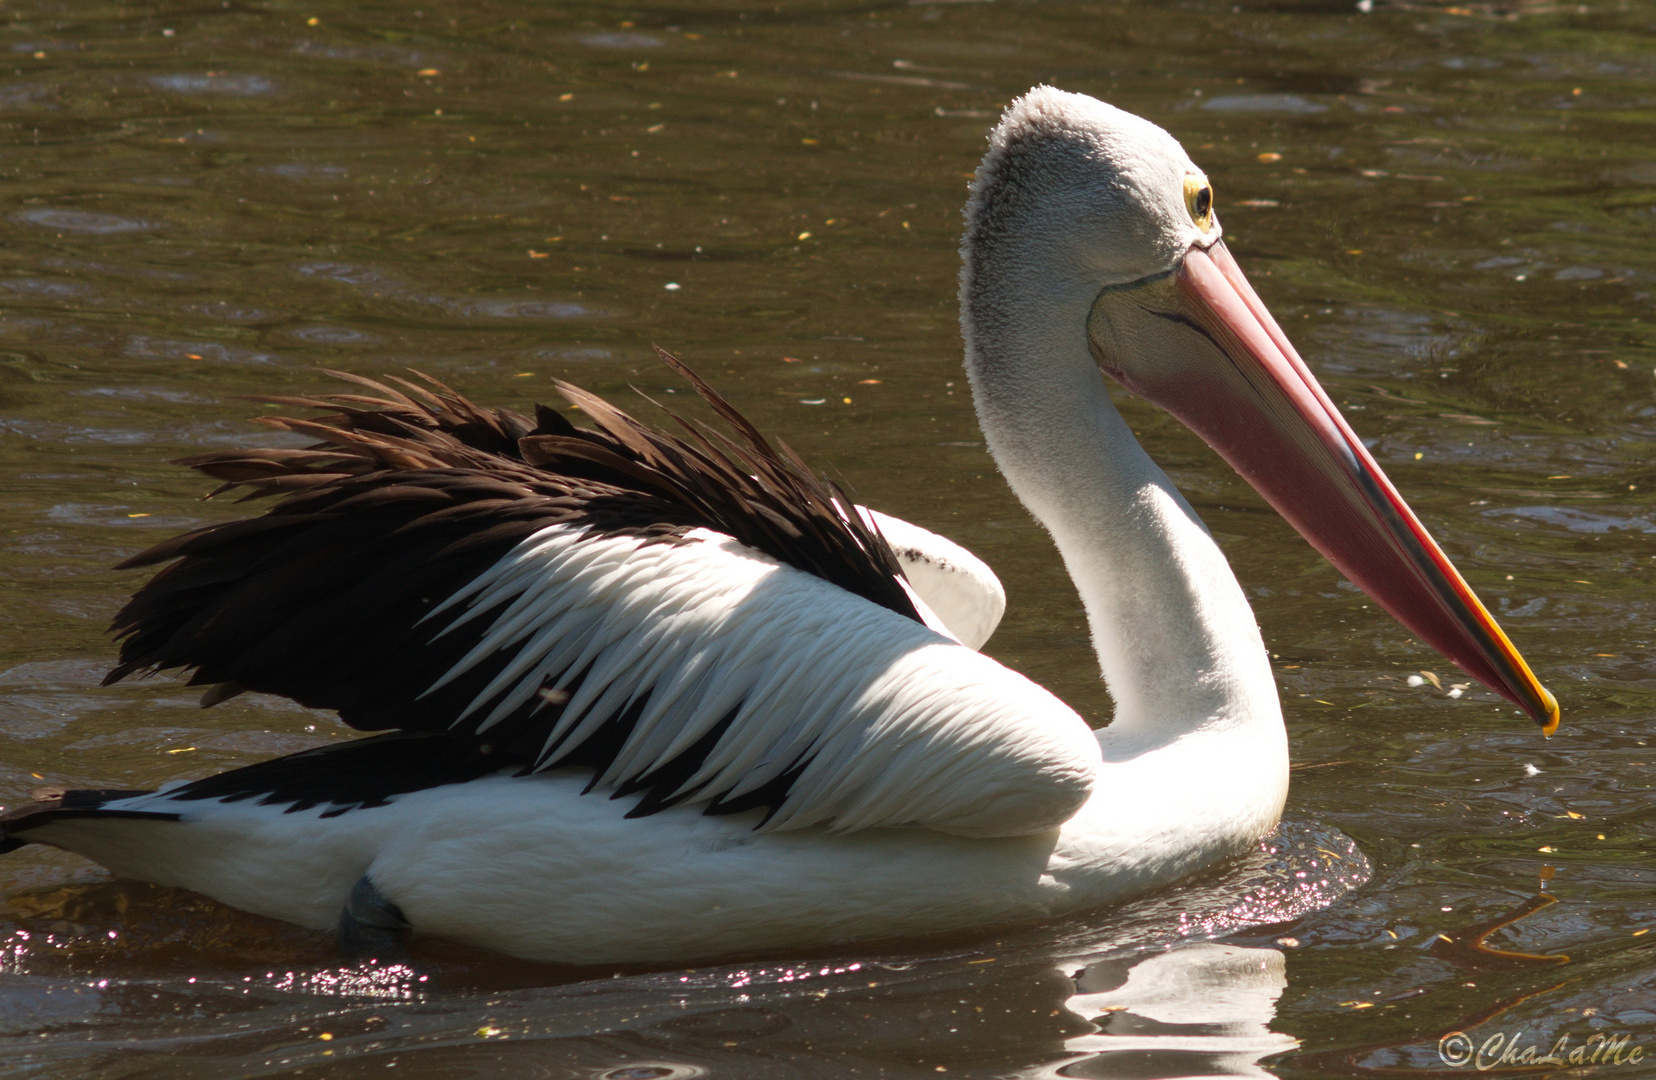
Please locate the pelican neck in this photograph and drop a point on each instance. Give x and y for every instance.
(1176, 641)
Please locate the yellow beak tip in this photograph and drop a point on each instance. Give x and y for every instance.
(1550, 724)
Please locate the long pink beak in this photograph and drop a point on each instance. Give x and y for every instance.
(1200, 343)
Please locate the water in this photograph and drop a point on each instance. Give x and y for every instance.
(1449, 208)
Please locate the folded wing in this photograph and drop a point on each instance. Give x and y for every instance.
(689, 618)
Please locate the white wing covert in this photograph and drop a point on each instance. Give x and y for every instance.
(768, 677)
(691, 618)
(957, 586)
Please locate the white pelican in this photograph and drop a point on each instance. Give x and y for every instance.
(655, 699)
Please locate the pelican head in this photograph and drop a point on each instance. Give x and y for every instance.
(1088, 223)
(1108, 198)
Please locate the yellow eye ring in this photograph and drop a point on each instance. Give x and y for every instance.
(1199, 201)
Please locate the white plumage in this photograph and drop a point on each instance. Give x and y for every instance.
(531, 867)
(629, 738)
(904, 727)
(957, 587)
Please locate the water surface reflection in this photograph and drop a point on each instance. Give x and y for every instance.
(1449, 207)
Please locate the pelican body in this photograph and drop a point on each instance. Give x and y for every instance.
(655, 698)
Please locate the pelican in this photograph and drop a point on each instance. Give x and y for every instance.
(654, 698)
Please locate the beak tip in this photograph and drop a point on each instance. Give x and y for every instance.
(1550, 705)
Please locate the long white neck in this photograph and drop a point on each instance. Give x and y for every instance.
(1175, 637)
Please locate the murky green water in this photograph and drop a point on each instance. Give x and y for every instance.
(1450, 208)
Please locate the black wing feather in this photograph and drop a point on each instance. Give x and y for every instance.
(412, 492)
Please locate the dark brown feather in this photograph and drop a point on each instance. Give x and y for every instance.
(410, 492)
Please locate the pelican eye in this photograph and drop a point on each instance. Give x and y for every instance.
(1199, 201)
